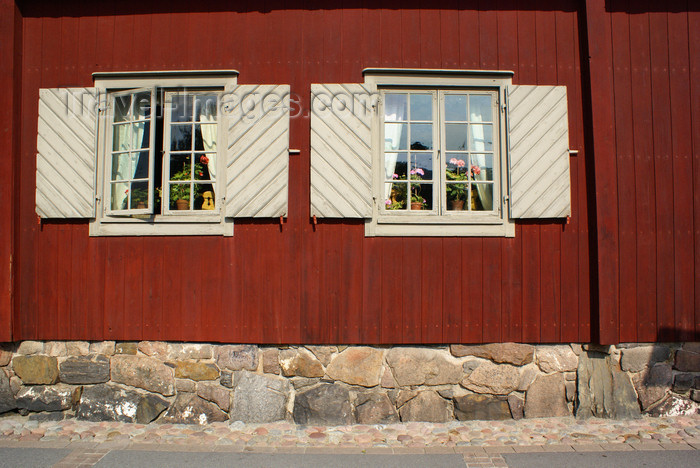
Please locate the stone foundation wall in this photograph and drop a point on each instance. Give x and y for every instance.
(334, 385)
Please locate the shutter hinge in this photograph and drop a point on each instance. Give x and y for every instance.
(506, 199)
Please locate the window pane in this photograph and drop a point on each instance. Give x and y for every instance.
(139, 195)
(422, 166)
(205, 137)
(480, 109)
(200, 192)
(395, 165)
(142, 105)
(120, 196)
(181, 108)
(180, 137)
(484, 197)
(139, 165)
(456, 137)
(395, 136)
(204, 165)
(421, 136)
(482, 166)
(457, 196)
(395, 107)
(120, 166)
(456, 167)
(180, 167)
(122, 137)
(421, 107)
(180, 193)
(122, 106)
(395, 196)
(481, 137)
(141, 134)
(206, 107)
(455, 107)
(421, 196)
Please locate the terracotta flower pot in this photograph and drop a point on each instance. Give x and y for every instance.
(182, 204)
(416, 206)
(456, 205)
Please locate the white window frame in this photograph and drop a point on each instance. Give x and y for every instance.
(383, 223)
(132, 223)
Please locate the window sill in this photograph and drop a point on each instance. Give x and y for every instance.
(210, 226)
(439, 228)
(458, 219)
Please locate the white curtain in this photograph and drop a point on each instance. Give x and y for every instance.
(485, 195)
(127, 137)
(392, 139)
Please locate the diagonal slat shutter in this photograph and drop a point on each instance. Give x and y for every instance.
(341, 157)
(257, 156)
(65, 163)
(538, 146)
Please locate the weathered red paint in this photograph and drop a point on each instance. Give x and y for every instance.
(326, 283)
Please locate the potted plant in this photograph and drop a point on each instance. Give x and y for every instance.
(458, 192)
(417, 201)
(180, 193)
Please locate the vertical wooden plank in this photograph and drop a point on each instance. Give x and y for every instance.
(512, 288)
(449, 35)
(431, 53)
(411, 294)
(644, 176)
(153, 317)
(410, 43)
(114, 289)
(452, 290)
(80, 283)
(569, 264)
(431, 269)
(488, 37)
(694, 69)
(531, 283)
(132, 325)
(372, 287)
(491, 271)
(469, 46)
(473, 289)
(398, 273)
(681, 138)
(332, 290)
(663, 181)
(96, 291)
(624, 142)
(46, 281)
(10, 82)
(351, 46)
(351, 296)
(550, 235)
(527, 48)
(600, 52)
(390, 26)
(372, 33)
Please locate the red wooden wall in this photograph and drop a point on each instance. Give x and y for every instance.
(646, 125)
(329, 284)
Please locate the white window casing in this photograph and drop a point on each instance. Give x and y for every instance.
(66, 156)
(256, 119)
(341, 150)
(538, 138)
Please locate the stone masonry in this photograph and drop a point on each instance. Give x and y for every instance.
(196, 383)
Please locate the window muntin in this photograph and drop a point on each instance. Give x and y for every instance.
(190, 152)
(441, 153)
(130, 188)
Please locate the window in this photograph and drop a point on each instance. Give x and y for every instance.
(440, 155)
(163, 153)
(161, 165)
(418, 152)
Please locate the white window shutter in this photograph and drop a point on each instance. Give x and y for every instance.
(256, 118)
(538, 152)
(65, 163)
(341, 151)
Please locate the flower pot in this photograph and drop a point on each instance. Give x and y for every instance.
(456, 205)
(416, 206)
(140, 206)
(182, 204)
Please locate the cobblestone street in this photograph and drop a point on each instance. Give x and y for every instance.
(480, 443)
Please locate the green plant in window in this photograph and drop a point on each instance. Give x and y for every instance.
(459, 173)
(417, 174)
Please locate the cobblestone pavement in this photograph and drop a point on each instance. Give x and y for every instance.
(480, 442)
